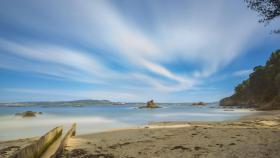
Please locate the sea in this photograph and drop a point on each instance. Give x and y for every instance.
(98, 118)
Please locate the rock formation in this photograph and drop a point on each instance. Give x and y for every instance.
(150, 104)
(199, 104)
(28, 114)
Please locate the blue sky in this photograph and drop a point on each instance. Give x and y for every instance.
(169, 51)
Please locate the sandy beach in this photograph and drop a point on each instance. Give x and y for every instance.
(7, 148)
(255, 136)
(140, 79)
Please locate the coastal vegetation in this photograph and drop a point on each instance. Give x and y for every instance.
(268, 10)
(261, 90)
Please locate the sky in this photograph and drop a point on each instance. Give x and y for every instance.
(129, 50)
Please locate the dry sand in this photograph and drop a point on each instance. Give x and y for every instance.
(256, 136)
(7, 148)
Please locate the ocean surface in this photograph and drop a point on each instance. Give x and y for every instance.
(96, 118)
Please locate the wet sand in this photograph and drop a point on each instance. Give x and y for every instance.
(256, 136)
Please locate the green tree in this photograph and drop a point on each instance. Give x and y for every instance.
(267, 9)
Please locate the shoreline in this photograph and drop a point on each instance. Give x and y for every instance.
(156, 135)
(256, 135)
(181, 124)
(178, 124)
(163, 123)
(94, 123)
(251, 115)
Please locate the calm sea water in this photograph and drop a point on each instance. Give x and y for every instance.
(91, 119)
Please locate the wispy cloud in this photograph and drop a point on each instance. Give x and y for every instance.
(76, 65)
(42, 94)
(52, 60)
(209, 40)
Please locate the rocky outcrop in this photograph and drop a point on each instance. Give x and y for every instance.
(150, 104)
(28, 114)
(199, 104)
(261, 90)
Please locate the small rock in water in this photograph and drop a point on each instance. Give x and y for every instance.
(28, 114)
(150, 104)
(199, 104)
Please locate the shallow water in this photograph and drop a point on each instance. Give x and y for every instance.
(100, 118)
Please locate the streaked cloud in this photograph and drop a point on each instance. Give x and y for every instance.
(72, 95)
(98, 43)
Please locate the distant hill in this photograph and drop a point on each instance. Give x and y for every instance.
(261, 90)
(63, 103)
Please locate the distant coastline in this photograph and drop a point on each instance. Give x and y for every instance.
(62, 103)
(87, 102)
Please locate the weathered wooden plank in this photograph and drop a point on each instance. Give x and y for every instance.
(52, 148)
(36, 149)
(70, 133)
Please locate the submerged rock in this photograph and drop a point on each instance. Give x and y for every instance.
(28, 114)
(150, 104)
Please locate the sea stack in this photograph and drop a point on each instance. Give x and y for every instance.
(199, 104)
(150, 104)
